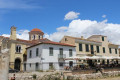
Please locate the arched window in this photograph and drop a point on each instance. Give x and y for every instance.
(18, 48)
(39, 37)
(34, 37)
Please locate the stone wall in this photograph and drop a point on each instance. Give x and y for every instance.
(58, 76)
(4, 63)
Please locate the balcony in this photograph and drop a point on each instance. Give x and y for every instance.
(61, 56)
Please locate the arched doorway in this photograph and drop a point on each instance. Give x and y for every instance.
(17, 64)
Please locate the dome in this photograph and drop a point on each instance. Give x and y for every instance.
(36, 29)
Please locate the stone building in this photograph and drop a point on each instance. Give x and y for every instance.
(18, 47)
(95, 45)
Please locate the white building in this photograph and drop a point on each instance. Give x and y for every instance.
(49, 55)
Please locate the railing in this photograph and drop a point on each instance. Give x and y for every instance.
(61, 56)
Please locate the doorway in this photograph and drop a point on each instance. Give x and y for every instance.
(71, 63)
(17, 64)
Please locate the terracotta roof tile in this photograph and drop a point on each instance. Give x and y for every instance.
(36, 29)
(51, 42)
(57, 43)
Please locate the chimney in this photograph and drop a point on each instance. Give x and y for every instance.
(13, 33)
(82, 37)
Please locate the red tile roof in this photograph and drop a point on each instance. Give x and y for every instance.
(26, 41)
(33, 42)
(51, 42)
(36, 29)
(57, 43)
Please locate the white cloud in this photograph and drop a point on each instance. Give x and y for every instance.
(63, 28)
(79, 28)
(16, 4)
(71, 15)
(21, 34)
(87, 28)
(103, 16)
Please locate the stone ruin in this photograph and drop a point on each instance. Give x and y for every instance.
(4, 64)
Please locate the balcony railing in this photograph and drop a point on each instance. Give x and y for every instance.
(61, 56)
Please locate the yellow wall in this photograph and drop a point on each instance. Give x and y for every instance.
(14, 55)
(105, 43)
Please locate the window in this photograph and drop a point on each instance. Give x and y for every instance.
(18, 48)
(115, 51)
(30, 54)
(92, 49)
(102, 38)
(50, 51)
(37, 51)
(97, 47)
(30, 64)
(34, 37)
(61, 64)
(70, 53)
(65, 39)
(61, 51)
(103, 49)
(80, 47)
(39, 36)
(87, 47)
(110, 50)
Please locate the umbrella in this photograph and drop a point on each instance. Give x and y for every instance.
(95, 57)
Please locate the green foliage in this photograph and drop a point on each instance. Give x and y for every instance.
(34, 76)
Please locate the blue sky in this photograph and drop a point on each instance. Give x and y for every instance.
(49, 15)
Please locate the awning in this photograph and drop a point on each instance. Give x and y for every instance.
(91, 57)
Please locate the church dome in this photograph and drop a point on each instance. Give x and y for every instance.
(36, 30)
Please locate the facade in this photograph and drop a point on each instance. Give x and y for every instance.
(18, 47)
(49, 55)
(96, 45)
(46, 53)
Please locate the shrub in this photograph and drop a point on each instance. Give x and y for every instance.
(34, 76)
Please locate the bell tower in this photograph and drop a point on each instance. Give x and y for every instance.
(13, 33)
(35, 34)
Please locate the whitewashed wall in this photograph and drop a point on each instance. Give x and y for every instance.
(44, 57)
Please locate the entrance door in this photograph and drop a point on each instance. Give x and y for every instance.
(17, 64)
(71, 63)
(37, 66)
(92, 49)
